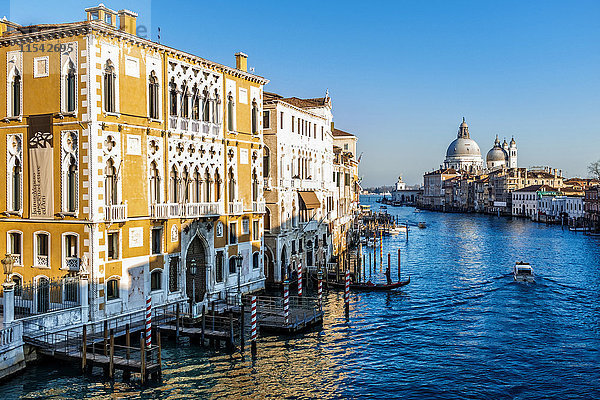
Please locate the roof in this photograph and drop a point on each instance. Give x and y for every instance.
(442, 172)
(536, 188)
(339, 133)
(305, 103)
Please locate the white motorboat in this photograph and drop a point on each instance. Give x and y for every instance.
(523, 272)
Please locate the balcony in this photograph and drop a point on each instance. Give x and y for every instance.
(174, 209)
(72, 263)
(258, 207)
(236, 208)
(188, 125)
(159, 211)
(17, 258)
(42, 261)
(311, 226)
(115, 213)
(195, 210)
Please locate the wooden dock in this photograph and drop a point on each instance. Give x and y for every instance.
(304, 313)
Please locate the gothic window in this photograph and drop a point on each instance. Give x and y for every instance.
(110, 183)
(217, 183)
(173, 98)
(231, 181)
(71, 185)
(197, 186)
(15, 183)
(207, 193)
(254, 118)
(185, 102)
(185, 181)
(71, 91)
(230, 116)
(154, 183)
(173, 274)
(205, 106)
(267, 220)
(254, 186)
(153, 95)
(15, 95)
(219, 266)
(109, 87)
(266, 162)
(174, 180)
(216, 108)
(196, 104)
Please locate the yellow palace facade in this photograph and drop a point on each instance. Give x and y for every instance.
(133, 163)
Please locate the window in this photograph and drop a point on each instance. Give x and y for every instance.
(292, 123)
(267, 218)
(112, 244)
(156, 279)
(195, 103)
(266, 162)
(232, 232)
(157, 240)
(185, 181)
(14, 247)
(219, 266)
(245, 226)
(71, 186)
(255, 230)
(254, 186)
(230, 125)
(70, 246)
(255, 260)
(109, 87)
(154, 184)
(205, 106)
(173, 98)
(217, 183)
(266, 120)
(110, 183)
(71, 92)
(281, 120)
(174, 185)
(42, 250)
(173, 274)
(15, 183)
(112, 289)
(216, 108)
(185, 102)
(231, 186)
(232, 267)
(153, 95)
(16, 94)
(18, 281)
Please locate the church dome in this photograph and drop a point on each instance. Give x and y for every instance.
(496, 154)
(461, 147)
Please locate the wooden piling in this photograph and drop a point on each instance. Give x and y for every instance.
(143, 357)
(159, 351)
(230, 343)
(203, 327)
(127, 341)
(111, 365)
(105, 337)
(177, 318)
(399, 275)
(242, 327)
(84, 348)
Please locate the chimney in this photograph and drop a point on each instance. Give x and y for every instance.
(127, 21)
(241, 61)
(102, 13)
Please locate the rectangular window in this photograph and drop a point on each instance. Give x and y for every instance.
(245, 226)
(292, 123)
(112, 243)
(219, 266)
(157, 241)
(15, 244)
(173, 274)
(281, 120)
(233, 233)
(156, 280)
(322, 137)
(255, 230)
(266, 120)
(112, 289)
(347, 179)
(70, 246)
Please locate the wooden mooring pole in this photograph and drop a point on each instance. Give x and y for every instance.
(347, 295)
(127, 341)
(159, 352)
(253, 332)
(242, 338)
(105, 337)
(84, 348)
(143, 357)
(399, 265)
(177, 318)
(111, 365)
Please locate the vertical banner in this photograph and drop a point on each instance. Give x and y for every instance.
(41, 166)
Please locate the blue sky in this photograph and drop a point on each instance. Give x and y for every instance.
(402, 74)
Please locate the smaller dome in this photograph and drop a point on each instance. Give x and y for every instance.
(512, 142)
(496, 154)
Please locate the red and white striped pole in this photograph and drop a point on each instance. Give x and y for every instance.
(320, 289)
(299, 279)
(253, 334)
(347, 294)
(286, 301)
(148, 326)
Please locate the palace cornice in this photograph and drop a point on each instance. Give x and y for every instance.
(293, 107)
(87, 27)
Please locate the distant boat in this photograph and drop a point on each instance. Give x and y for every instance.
(422, 225)
(370, 286)
(523, 272)
(579, 229)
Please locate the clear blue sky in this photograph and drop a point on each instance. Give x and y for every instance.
(402, 74)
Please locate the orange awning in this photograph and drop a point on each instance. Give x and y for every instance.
(310, 200)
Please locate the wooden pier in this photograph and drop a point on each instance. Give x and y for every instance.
(304, 313)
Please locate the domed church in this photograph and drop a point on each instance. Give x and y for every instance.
(502, 156)
(463, 153)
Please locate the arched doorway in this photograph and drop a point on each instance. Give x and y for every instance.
(283, 263)
(43, 295)
(196, 256)
(269, 266)
(309, 253)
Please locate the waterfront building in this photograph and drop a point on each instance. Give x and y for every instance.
(525, 201)
(434, 196)
(561, 208)
(405, 196)
(592, 208)
(130, 162)
(300, 193)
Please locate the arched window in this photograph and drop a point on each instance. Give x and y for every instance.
(185, 181)
(16, 186)
(232, 266)
(216, 108)
(18, 281)
(71, 94)
(230, 126)
(110, 183)
(231, 181)
(174, 185)
(217, 183)
(255, 260)
(254, 118)
(205, 105)
(109, 87)
(112, 289)
(254, 186)
(154, 183)
(267, 220)
(185, 102)
(195, 103)
(173, 98)
(42, 249)
(197, 186)
(72, 186)
(16, 94)
(153, 95)
(156, 279)
(208, 184)
(266, 162)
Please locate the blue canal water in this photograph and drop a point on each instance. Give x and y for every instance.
(461, 329)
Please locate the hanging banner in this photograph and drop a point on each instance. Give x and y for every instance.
(41, 166)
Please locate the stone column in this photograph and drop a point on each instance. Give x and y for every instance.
(9, 302)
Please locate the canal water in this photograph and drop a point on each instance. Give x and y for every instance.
(461, 329)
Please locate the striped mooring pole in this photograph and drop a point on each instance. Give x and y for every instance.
(286, 301)
(347, 295)
(320, 289)
(148, 326)
(299, 279)
(253, 334)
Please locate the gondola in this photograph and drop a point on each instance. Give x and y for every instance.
(371, 287)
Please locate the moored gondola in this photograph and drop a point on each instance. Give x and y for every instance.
(370, 286)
